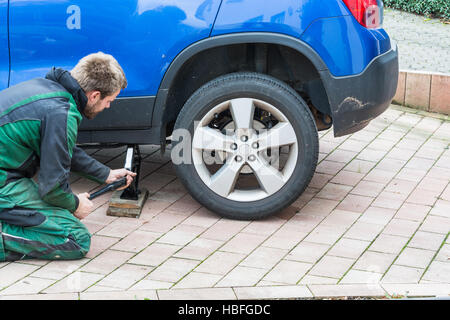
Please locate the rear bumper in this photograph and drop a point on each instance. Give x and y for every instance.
(355, 100)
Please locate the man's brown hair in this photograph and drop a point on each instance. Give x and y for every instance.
(99, 72)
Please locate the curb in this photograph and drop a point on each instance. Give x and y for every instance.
(423, 90)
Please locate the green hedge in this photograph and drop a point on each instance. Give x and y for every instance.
(431, 8)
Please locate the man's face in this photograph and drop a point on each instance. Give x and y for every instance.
(95, 105)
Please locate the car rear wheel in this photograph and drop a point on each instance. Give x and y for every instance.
(249, 145)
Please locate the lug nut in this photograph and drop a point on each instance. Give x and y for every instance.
(251, 158)
(238, 158)
(255, 145)
(233, 146)
(244, 138)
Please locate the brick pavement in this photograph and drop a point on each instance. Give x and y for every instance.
(374, 221)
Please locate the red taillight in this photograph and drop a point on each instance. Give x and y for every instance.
(369, 13)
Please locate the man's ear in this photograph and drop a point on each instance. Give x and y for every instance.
(93, 96)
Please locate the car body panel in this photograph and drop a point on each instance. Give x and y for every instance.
(346, 46)
(4, 47)
(143, 35)
(290, 17)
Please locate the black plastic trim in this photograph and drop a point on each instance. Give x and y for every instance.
(124, 113)
(357, 99)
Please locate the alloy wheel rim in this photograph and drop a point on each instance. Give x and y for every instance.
(244, 146)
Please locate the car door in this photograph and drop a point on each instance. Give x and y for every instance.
(143, 35)
(4, 47)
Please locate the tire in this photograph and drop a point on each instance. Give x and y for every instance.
(259, 113)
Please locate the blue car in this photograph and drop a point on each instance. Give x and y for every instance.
(238, 88)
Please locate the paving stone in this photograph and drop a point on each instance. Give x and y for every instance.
(425, 197)
(224, 229)
(334, 191)
(368, 188)
(389, 200)
(107, 261)
(57, 270)
(163, 222)
(318, 207)
(380, 176)
(197, 294)
(202, 218)
(243, 243)
(436, 224)
(42, 296)
(364, 231)
(402, 274)
(272, 292)
(28, 285)
(181, 235)
(387, 243)
(241, 277)
(325, 234)
(75, 282)
(172, 270)
(309, 279)
(426, 240)
(360, 166)
(346, 290)
(121, 295)
(198, 280)
(417, 258)
(263, 258)
(125, 276)
(198, 249)
(358, 276)
(404, 187)
(340, 266)
(264, 227)
(154, 254)
(411, 211)
(438, 271)
(417, 290)
(287, 237)
(308, 252)
(400, 227)
(147, 284)
(355, 203)
(372, 261)
(329, 167)
(136, 241)
(220, 262)
(288, 272)
(441, 208)
(348, 248)
(377, 215)
(14, 272)
(340, 219)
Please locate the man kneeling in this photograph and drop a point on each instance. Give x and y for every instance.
(39, 122)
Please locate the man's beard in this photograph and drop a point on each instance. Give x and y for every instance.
(89, 111)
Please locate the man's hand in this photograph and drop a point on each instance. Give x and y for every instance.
(119, 173)
(85, 206)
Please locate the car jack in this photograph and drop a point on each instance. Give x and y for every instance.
(129, 202)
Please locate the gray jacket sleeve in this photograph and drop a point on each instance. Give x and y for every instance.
(87, 166)
(55, 159)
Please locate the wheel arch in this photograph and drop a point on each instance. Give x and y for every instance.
(166, 106)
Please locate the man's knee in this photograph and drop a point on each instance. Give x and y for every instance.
(81, 243)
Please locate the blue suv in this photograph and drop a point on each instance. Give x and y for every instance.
(239, 88)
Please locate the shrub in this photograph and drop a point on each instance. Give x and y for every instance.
(431, 8)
